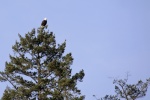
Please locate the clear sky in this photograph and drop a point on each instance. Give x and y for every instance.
(107, 38)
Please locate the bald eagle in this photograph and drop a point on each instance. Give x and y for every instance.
(44, 22)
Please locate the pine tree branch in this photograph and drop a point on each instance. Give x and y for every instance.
(9, 80)
(126, 96)
(27, 74)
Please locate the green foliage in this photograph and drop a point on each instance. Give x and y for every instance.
(110, 97)
(39, 69)
(7, 95)
(128, 91)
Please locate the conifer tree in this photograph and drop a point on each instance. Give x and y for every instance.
(39, 69)
(125, 91)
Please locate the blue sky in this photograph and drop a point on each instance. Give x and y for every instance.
(107, 38)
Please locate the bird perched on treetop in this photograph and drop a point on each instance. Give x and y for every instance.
(44, 22)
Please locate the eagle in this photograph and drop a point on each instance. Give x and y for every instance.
(44, 22)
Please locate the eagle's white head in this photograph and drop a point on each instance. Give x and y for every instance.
(45, 18)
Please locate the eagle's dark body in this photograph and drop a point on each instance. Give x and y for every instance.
(44, 22)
